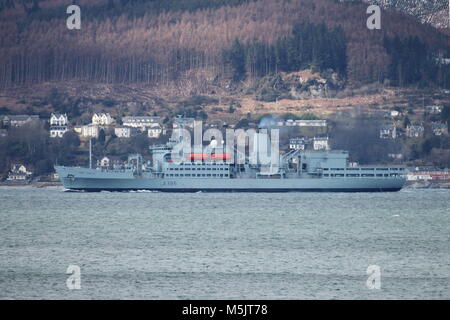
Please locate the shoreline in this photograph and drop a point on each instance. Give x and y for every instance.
(37, 185)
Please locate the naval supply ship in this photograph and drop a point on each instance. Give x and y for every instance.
(297, 171)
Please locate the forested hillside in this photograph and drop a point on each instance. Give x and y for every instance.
(191, 43)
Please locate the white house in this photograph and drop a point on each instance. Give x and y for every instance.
(58, 120)
(90, 131)
(320, 143)
(306, 123)
(58, 125)
(434, 109)
(18, 172)
(155, 132)
(142, 122)
(395, 113)
(102, 119)
(297, 143)
(57, 131)
(388, 132)
(125, 132)
(415, 131)
(439, 129)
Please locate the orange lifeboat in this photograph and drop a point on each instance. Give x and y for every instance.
(220, 156)
(197, 156)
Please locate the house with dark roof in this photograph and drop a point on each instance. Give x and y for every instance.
(415, 131)
(18, 120)
(439, 129)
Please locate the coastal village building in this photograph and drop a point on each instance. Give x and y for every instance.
(428, 175)
(395, 113)
(125, 132)
(434, 109)
(102, 119)
(306, 123)
(388, 132)
(19, 172)
(321, 143)
(155, 132)
(59, 120)
(395, 156)
(57, 132)
(142, 122)
(439, 129)
(415, 131)
(58, 125)
(297, 144)
(18, 120)
(87, 131)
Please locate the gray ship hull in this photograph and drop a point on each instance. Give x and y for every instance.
(96, 180)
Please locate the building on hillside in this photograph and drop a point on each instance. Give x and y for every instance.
(19, 172)
(415, 131)
(89, 131)
(439, 129)
(428, 174)
(434, 109)
(18, 120)
(395, 156)
(58, 120)
(388, 132)
(305, 123)
(102, 119)
(57, 132)
(297, 143)
(58, 125)
(155, 131)
(321, 143)
(395, 113)
(125, 132)
(141, 122)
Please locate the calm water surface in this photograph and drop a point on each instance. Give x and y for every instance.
(143, 245)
